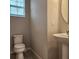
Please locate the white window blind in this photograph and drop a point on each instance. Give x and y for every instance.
(17, 7)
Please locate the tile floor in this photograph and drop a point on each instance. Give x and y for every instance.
(27, 55)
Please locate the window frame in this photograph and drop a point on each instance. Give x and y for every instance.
(16, 15)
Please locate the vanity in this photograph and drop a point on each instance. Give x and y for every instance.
(63, 45)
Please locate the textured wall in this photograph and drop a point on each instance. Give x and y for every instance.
(45, 20)
(53, 14)
(63, 26)
(39, 27)
(53, 27)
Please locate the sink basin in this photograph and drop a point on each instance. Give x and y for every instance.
(61, 35)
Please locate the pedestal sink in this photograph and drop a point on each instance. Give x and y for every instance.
(61, 35)
(63, 45)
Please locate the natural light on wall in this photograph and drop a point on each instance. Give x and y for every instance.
(17, 8)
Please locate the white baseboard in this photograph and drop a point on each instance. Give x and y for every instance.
(38, 57)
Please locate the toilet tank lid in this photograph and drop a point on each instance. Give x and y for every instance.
(20, 35)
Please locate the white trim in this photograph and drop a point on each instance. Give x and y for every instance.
(36, 54)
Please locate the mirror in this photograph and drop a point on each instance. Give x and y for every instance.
(64, 10)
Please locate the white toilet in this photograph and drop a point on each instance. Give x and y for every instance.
(19, 46)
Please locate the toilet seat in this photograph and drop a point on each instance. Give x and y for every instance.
(19, 48)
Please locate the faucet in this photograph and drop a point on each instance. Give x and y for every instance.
(67, 30)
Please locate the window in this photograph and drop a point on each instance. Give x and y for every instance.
(17, 7)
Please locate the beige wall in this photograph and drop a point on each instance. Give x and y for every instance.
(39, 27)
(20, 25)
(53, 17)
(63, 26)
(52, 24)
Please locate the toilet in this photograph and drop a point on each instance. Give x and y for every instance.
(19, 46)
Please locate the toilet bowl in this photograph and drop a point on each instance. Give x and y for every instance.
(19, 46)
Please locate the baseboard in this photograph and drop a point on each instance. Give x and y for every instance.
(37, 56)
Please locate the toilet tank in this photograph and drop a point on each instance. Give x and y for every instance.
(18, 39)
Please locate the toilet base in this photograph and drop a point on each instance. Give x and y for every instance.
(19, 56)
